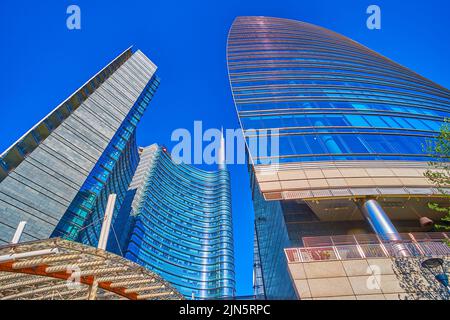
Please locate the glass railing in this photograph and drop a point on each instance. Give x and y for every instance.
(369, 246)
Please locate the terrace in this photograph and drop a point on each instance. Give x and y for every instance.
(364, 246)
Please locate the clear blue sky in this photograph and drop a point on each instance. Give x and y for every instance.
(42, 62)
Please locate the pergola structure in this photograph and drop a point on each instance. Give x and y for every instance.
(57, 269)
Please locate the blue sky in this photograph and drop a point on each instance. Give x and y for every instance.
(42, 62)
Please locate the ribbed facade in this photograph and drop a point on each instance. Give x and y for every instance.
(351, 125)
(272, 238)
(58, 175)
(180, 225)
(111, 175)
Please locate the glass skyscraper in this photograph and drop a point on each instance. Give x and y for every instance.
(57, 177)
(176, 221)
(351, 126)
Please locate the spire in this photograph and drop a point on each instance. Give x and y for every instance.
(221, 158)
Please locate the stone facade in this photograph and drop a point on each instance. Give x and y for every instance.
(365, 279)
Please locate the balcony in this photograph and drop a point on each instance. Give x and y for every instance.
(361, 267)
(352, 247)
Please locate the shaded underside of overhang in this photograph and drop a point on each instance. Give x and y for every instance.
(344, 179)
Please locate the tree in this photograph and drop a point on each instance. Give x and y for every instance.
(439, 173)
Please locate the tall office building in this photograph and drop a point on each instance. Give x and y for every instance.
(351, 126)
(57, 177)
(177, 222)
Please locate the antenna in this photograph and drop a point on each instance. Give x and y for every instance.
(221, 159)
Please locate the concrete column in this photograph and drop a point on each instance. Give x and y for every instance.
(18, 233)
(92, 295)
(103, 239)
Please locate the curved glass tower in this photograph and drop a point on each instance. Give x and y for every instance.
(351, 126)
(330, 97)
(178, 223)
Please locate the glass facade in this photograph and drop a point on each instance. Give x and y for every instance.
(188, 237)
(258, 281)
(350, 123)
(112, 174)
(330, 97)
(57, 176)
(272, 238)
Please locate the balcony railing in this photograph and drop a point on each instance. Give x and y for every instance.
(369, 246)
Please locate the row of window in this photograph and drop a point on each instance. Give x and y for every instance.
(112, 174)
(340, 120)
(333, 145)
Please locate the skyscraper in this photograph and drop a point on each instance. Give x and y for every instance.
(351, 126)
(177, 222)
(57, 176)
